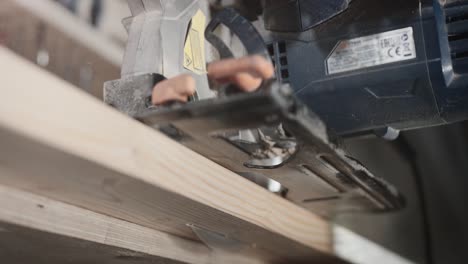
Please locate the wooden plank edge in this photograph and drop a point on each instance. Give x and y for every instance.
(38, 213)
(43, 214)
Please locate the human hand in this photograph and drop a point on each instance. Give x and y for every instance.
(247, 73)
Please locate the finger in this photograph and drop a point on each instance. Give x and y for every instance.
(256, 65)
(246, 81)
(178, 88)
(183, 84)
(166, 96)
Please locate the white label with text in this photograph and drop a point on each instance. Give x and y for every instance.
(364, 52)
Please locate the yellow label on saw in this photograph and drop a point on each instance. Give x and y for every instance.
(194, 50)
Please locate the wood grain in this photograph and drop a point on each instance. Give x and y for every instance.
(63, 144)
(33, 216)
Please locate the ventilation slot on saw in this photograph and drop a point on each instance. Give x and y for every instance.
(279, 57)
(457, 29)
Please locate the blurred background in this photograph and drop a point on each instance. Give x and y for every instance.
(81, 41)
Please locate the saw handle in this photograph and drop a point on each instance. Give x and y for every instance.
(244, 30)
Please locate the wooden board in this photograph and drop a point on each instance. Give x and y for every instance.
(23, 245)
(40, 229)
(63, 144)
